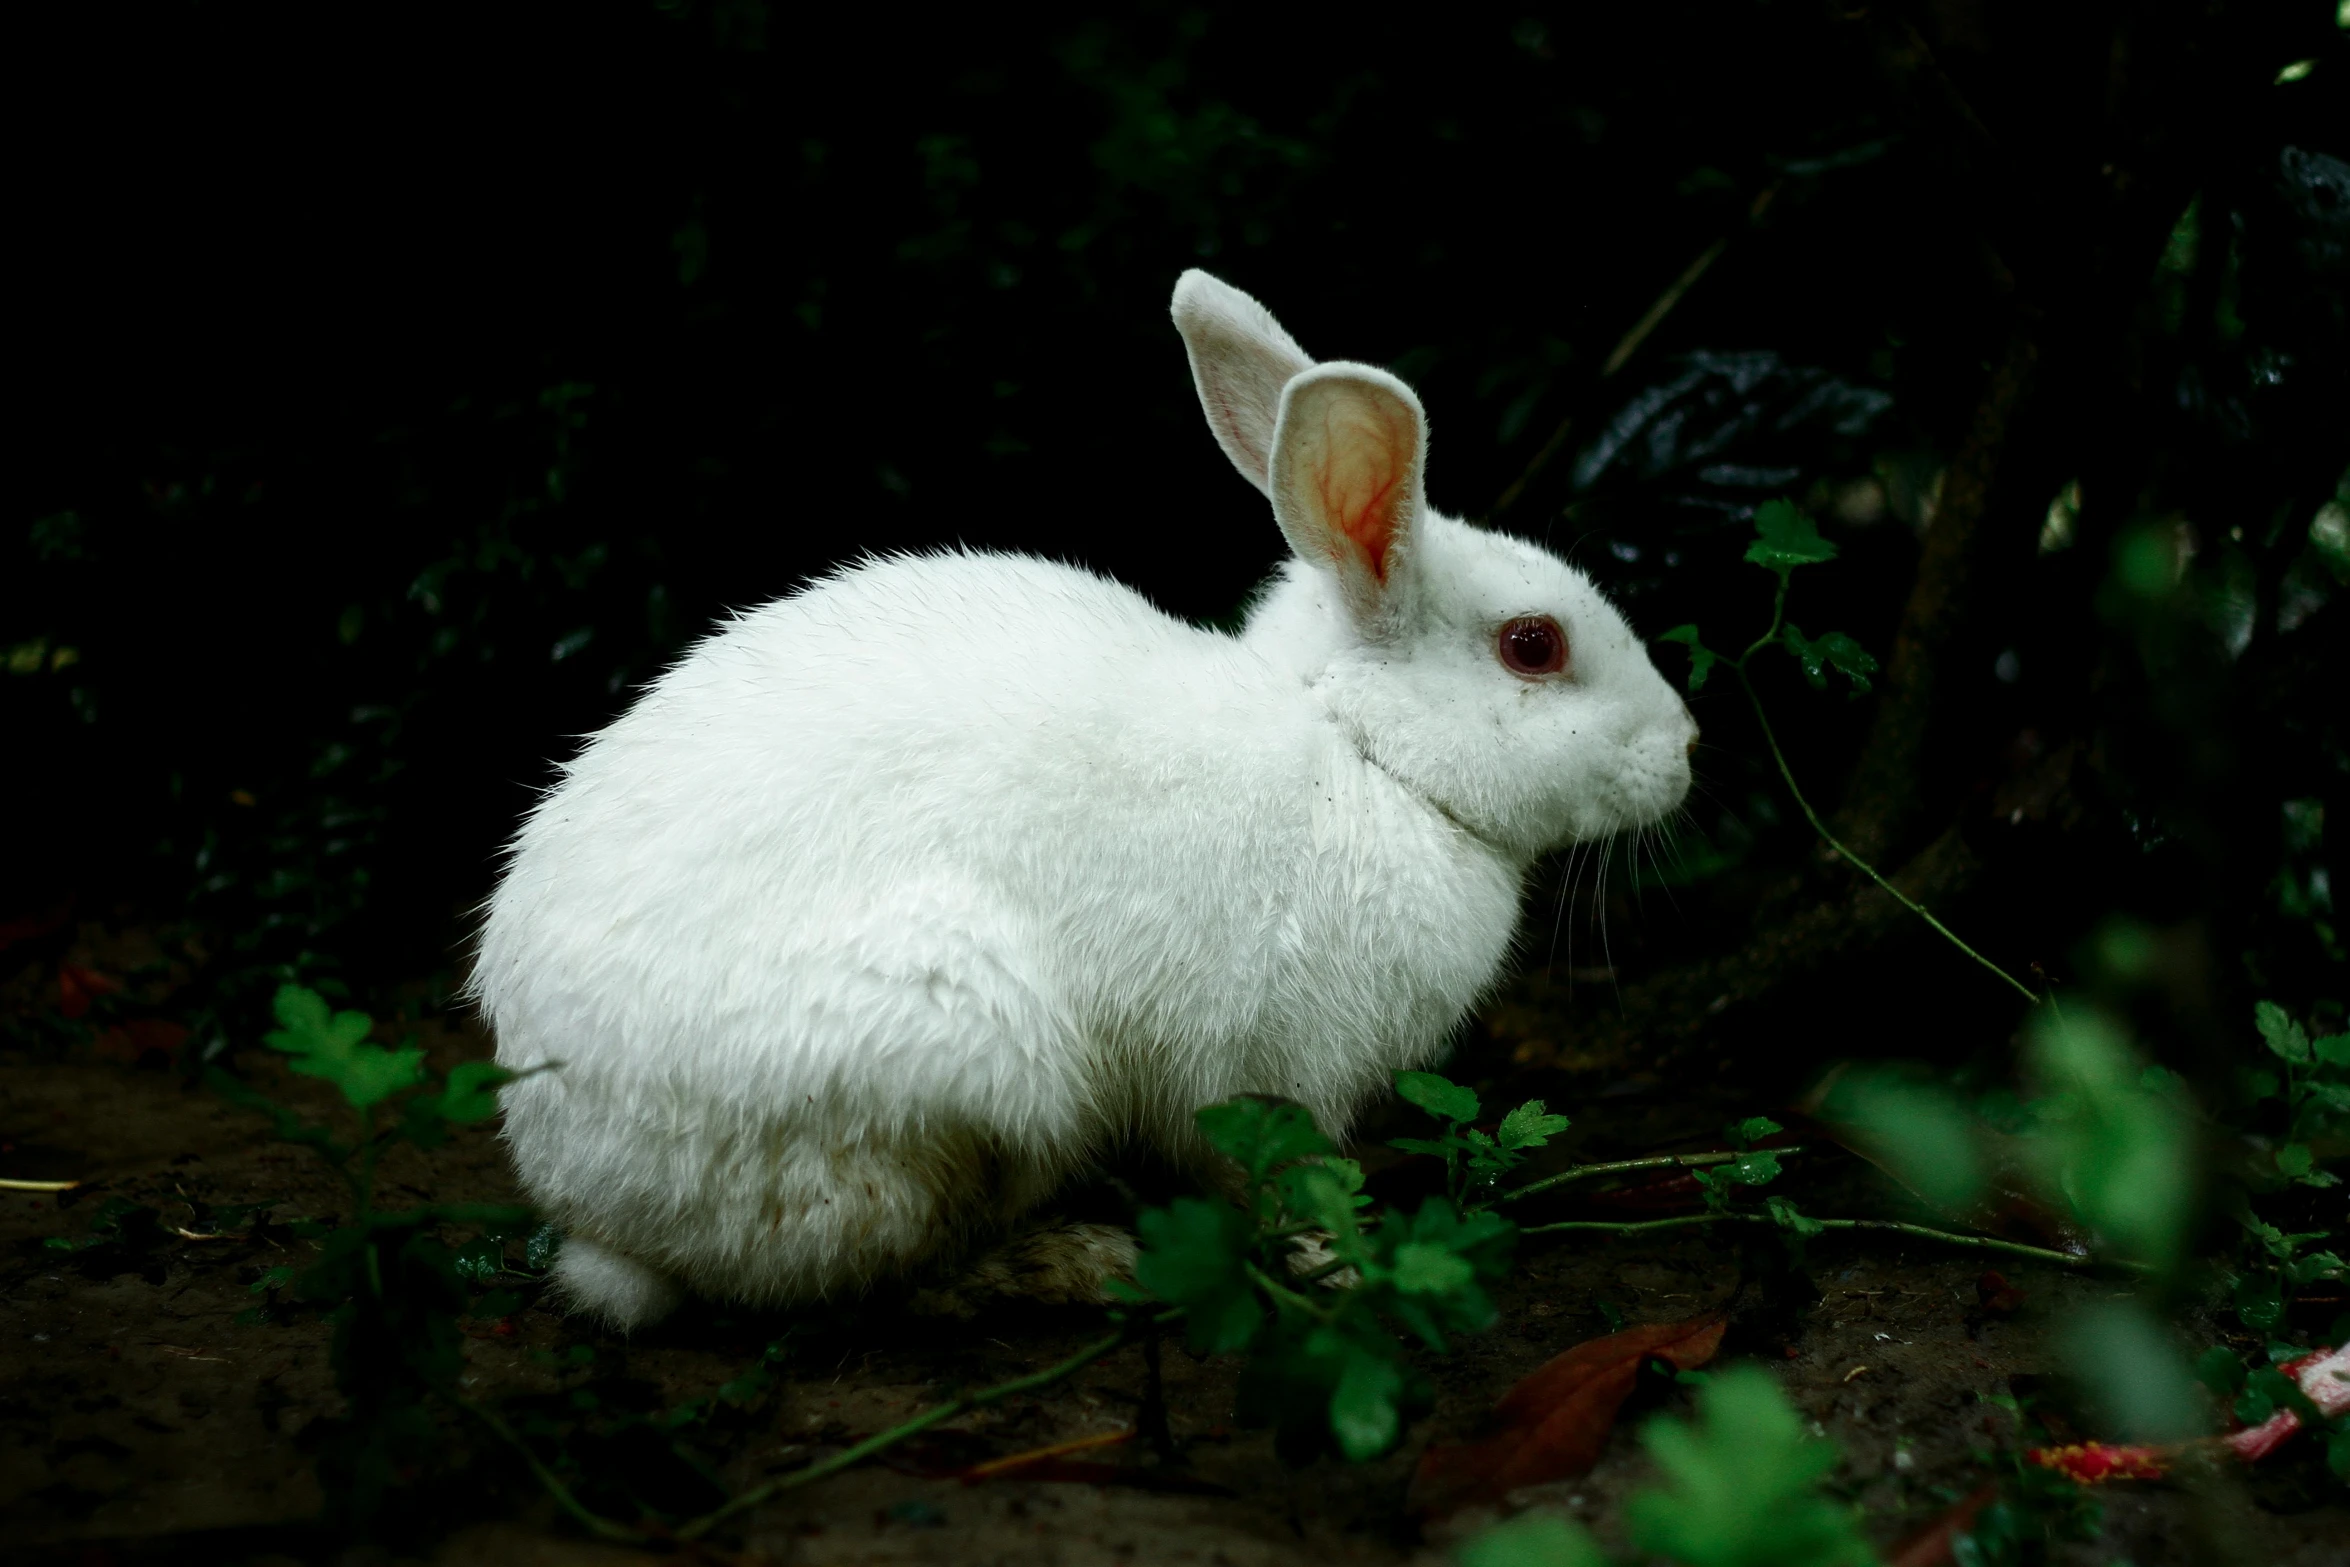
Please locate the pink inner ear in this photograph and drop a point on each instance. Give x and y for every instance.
(1361, 482)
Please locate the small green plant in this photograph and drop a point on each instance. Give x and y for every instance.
(2032, 1507)
(1741, 1489)
(1325, 1368)
(2315, 1090)
(1785, 539)
(391, 1285)
(1474, 1161)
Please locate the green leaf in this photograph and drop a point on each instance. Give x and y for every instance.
(1325, 1192)
(275, 1278)
(2333, 1050)
(2295, 1159)
(538, 1252)
(1787, 1217)
(2219, 1369)
(1529, 1126)
(2259, 1302)
(1752, 1130)
(1742, 1485)
(471, 1092)
(1785, 538)
(481, 1261)
(2315, 1266)
(1532, 1540)
(1363, 1414)
(1834, 650)
(1194, 1254)
(1701, 658)
(334, 1046)
(1442, 1148)
(1262, 1134)
(2285, 1037)
(1422, 1269)
(1440, 1097)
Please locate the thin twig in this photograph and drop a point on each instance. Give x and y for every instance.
(1946, 1237)
(1584, 1172)
(38, 1186)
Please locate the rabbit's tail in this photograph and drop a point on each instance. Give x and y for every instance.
(617, 1288)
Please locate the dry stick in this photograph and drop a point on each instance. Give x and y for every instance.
(1629, 343)
(1946, 1237)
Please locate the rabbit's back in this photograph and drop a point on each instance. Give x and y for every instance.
(962, 846)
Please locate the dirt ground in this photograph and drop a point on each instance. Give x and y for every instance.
(141, 1422)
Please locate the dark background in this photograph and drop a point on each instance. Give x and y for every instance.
(400, 387)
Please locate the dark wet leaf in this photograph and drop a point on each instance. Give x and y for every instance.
(1737, 423)
(1554, 1422)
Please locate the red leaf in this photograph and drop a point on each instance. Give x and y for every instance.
(1668, 1193)
(31, 927)
(1553, 1423)
(77, 987)
(1936, 1545)
(1997, 1295)
(140, 1038)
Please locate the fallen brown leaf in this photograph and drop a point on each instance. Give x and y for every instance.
(1553, 1423)
(1997, 1295)
(1936, 1545)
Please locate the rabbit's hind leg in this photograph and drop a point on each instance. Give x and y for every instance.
(613, 1286)
(1054, 1263)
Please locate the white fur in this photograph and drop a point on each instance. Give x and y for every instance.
(900, 899)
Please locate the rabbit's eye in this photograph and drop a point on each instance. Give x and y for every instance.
(1532, 645)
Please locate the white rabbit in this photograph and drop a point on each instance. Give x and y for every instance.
(901, 899)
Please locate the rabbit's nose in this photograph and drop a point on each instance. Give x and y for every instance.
(1692, 717)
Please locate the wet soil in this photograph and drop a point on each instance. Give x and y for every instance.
(141, 1421)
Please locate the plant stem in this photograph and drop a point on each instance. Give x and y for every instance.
(850, 1456)
(1946, 1237)
(1582, 1172)
(594, 1522)
(1266, 1283)
(1778, 616)
(1906, 901)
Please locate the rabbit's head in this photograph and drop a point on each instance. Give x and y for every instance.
(1482, 672)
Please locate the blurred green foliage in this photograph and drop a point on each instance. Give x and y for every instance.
(1740, 1488)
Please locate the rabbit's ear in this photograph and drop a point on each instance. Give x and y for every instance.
(1347, 460)
(1240, 360)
